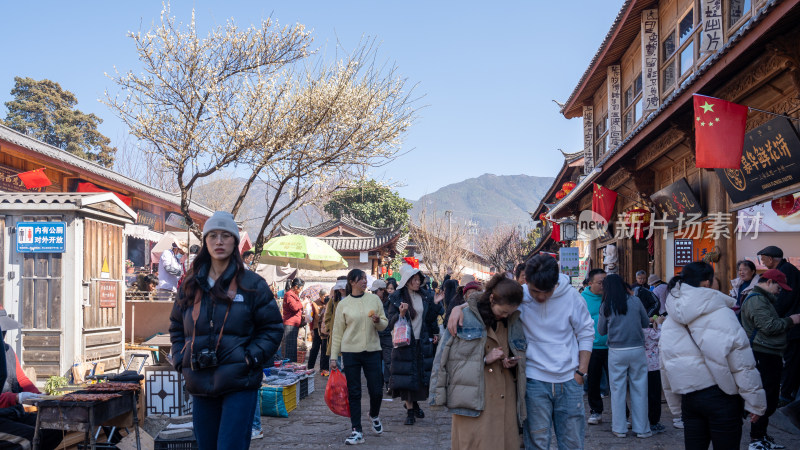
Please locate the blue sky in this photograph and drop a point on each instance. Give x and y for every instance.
(488, 70)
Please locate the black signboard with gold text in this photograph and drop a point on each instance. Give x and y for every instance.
(675, 200)
(770, 161)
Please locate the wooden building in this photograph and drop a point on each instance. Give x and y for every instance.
(635, 100)
(68, 297)
(156, 211)
(57, 296)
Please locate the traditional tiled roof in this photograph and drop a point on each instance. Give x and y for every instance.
(371, 237)
(61, 200)
(25, 141)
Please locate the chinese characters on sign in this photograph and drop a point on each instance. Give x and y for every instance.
(770, 161)
(684, 251)
(176, 220)
(650, 59)
(676, 199)
(10, 182)
(588, 139)
(41, 237)
(614, 107)
(108, 293)
(147, 219)
(711, 39)
(569, 259)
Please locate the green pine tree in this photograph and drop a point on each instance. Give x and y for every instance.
(371, 203)
(45, 111)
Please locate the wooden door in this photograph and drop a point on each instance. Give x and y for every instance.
(40, 308)
(103, 262)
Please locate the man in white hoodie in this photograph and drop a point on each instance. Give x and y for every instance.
(559, 333)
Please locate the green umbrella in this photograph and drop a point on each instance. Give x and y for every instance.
(302, 252)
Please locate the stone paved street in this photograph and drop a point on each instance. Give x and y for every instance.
(312, 425)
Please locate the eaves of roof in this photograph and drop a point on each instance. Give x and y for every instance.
(681, 96)
(81, 165)
(605, 53)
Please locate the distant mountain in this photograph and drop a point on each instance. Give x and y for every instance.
(488, 200)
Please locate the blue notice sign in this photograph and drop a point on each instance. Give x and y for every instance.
(41, 237)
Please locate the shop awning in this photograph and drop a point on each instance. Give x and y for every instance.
(141, 232)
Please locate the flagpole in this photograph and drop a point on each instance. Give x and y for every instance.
(774, 114)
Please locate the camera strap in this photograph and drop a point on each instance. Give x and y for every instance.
(198, 297)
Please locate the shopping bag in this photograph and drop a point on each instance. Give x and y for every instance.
(401, 333)
(336, 394)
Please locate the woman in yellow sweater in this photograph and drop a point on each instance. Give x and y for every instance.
(359, 317)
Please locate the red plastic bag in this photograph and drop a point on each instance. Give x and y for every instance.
(336, 394)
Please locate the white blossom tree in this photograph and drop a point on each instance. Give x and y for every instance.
(442, 244)
(252, 101)
(504, 246)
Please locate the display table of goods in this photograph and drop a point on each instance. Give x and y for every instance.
(283, 386)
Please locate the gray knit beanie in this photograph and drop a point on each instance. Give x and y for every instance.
(221, 220)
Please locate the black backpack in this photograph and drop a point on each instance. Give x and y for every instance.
(649, 300)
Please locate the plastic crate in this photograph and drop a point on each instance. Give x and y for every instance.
(303, 387)
(289, 395)
(175, 444)
(310, 384)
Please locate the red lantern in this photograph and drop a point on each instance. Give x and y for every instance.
(383, 270)
(568, 186)
(783, 205)
(543, 217)
(389, 272)
(560, 195)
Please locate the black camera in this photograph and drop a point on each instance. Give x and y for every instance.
(204, 359)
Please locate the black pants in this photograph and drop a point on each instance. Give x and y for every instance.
(289, 342)
(317, 343)
(370, 362)
(791, 370)
(386, 349)
(711, 416)
(654, 396)
(18, 434)
(597, 362)
(769, 366)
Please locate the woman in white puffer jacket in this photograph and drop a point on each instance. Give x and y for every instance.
(707, 367)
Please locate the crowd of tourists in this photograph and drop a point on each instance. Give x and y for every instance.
(509, 358)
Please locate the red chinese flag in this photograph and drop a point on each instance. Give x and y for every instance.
(34, 179)
(603, 200)
(556, 233)
(718, 132)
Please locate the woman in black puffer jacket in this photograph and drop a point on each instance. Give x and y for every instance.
(412, 365)
(224, 326)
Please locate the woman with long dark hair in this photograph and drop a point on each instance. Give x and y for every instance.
(224, 326)
(622, 318)
(411, 365)
(707, 366)
(481, 376)
(379, 288)
(359, 318)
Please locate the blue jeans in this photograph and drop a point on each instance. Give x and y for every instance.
(558, 405)
(627, 369)
(257, 415)
(224, 422)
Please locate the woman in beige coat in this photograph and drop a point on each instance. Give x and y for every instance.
(480, 374)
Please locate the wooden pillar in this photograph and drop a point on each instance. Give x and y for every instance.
(717, 201)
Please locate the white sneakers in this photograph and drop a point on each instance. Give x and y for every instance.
(595, 418)
(256, 434)
(677, 422)
(377, 427)
(355, 438)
